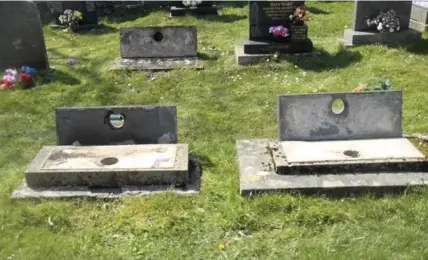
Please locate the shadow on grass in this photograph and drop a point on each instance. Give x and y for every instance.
(230, 18)
(326, 61)
(419, 47)
(204, 56)
(316, 10)
(124, 14)
(97, 30)
(54, 76)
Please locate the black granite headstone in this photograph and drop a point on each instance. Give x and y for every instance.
(264, 15)
(366, 9)
(22, 41)
(178, 8)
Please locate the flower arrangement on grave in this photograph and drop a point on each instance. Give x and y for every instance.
(299, 16)
(385, 21)
(70, 19)
(279, 31)
(10, 78)
(192, 3)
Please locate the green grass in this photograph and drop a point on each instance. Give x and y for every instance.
(216, 106)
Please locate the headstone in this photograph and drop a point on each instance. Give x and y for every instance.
(419, 16)
(110, 152)
(22, 41)
(178, 8)
(361, 33)
(87, 8)
(324, 147)
(272, 31)
(96, 126)
(158, 48)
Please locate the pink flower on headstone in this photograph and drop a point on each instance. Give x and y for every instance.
(279, 31)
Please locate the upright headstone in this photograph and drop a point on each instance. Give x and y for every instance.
(272, 30)
(179, 8)
(419, 16)
(87, 8)
(362, 33)
(158, 48)
(22, 41)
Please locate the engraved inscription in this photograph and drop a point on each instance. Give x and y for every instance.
(278, 10)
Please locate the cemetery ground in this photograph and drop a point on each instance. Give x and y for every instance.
(216, 106)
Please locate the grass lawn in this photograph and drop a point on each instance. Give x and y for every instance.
(216, 106)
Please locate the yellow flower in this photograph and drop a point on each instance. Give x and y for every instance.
(221, 246)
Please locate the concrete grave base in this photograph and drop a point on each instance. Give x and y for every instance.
(243, 58)
(157, 64)
(353, 38)
(258, 175)
(200, 10)
(24, 191)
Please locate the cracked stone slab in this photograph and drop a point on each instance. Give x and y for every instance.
(94, 125)
(157, 64)
(257, 175)
(364, 115)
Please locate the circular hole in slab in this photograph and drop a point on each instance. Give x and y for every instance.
(117, 120)
(351, 153)
(338, 106)
(158, 36)
(109, 160)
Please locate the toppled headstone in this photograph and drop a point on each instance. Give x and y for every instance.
(362, 31)
(336, 143)
(275, 27)
(110, 152)
(158, 48)
(22, 41)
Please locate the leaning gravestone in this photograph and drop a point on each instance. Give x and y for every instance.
(179, 8)
(334, 142)
(419, 16)
(361, 33)
(272, 30)
(22, 41)
(106, 152)
(158, 48)
(87, 8)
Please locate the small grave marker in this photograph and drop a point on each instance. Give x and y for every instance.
(158, 48)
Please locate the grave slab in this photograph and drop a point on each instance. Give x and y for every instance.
(157, 64)
(325, 147)
(257, 175)
(109, 166)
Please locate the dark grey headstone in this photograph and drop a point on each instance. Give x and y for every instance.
(366, 9)
(142, 125)
(159, 42)
(87, 8)
(22, 41)
(366, 115)
(264, 14)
